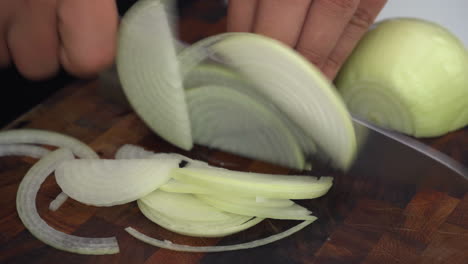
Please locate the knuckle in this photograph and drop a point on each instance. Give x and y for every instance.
(362, 19)
(341, 4)
(89, 65)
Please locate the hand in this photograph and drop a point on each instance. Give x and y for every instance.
(39, 36)
(324, 31)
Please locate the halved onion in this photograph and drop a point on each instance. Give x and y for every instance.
(177, 247)
(27, 211)
(226, 119)
(149, 72)
(408, 75)
(112, 182)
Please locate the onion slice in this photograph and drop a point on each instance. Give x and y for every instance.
(255, 184)
(149, 72)
(292, 212)
(112, 182)
(211, 74)
(177, 247)
(220, 228)
(44, 137)
(23, 150)
(297, 88)
(226, 119)
(27, 211)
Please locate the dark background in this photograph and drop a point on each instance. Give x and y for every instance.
(18, 94)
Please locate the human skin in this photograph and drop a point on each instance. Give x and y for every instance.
(41, 36)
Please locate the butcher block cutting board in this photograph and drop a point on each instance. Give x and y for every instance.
(425, 226)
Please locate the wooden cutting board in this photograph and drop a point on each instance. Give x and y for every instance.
(429, 227)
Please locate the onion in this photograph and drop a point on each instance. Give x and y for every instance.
(293, 212)
(257, 243)
(408, 75)
(255, 184)
(297, 88)
(43, 137)
(199, 228)
(36, 136)
(27, 211)
(183, 207)
(112, 182)
(210, 74)
(148, 70)
(23, 150)
(129, 151)
(226, 119)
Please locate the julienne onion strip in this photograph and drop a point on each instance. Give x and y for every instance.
(43, 137)
(23, 150)
(253, 244)
(226, 119)
(27, 211)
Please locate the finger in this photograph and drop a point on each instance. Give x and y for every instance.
(88, 31)
(33, 41)
(323, 27)
(241, 15)
(5, 14)
(357, 27)
(281, 20)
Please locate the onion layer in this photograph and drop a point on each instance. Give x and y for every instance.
(257, 243)
(27, 211)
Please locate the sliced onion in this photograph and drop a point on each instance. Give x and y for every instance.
(27, 211)
(43, 137)
(183, 207)
(148, 69)
(255, 184)
(177, 247)
(23, 150)
(58, 201)
(217, 75)
(129, 151)
(297, 88)
(112, 182)
(175, 186)
(226, 119)
(221, 228)
(253, 201)
(292, 212)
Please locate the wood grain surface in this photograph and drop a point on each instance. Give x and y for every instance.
(428, 227)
